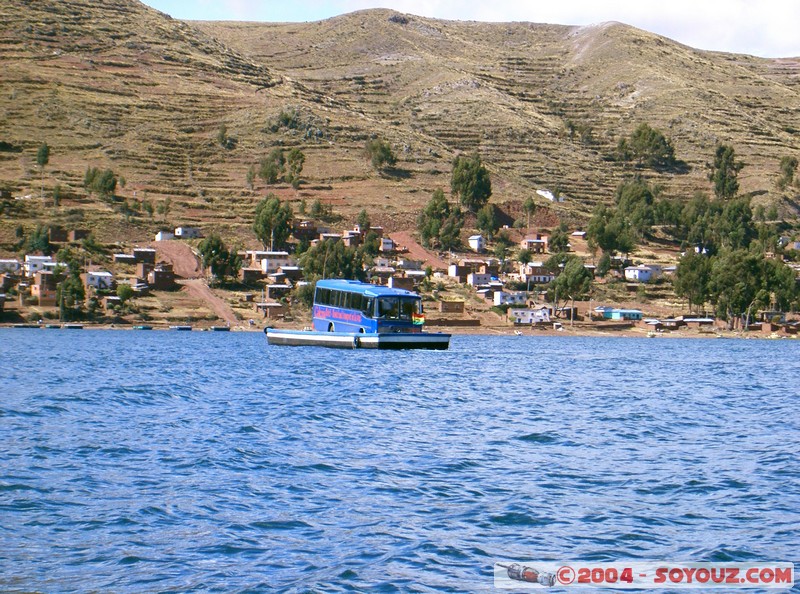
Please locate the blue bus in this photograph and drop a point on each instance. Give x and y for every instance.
(353, 306)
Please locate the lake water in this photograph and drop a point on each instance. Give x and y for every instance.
(168, 461)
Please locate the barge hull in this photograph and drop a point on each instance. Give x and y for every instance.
(351, 340)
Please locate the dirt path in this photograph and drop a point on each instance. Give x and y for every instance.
(197, 288)
(417, 252)
(184, 262)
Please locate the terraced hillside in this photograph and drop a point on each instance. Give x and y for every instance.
(112, 83)
(517, 92)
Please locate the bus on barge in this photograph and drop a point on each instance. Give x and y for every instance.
(352, 314)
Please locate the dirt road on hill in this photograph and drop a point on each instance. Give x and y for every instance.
(186, 265)
(197, 288)
(184, 261)
(415, 251)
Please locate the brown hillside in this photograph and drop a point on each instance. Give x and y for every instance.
(116, 84)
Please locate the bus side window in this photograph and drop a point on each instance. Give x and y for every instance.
(368, 309)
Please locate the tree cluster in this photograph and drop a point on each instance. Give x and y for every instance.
(737, 282)
(279, 166)
(222, 262)
(647, 147)
(102, 182)
(273, 222)
(439, 224)
(470, 181)
(333, 259)
(380, 154)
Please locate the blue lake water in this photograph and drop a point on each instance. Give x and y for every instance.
(171, 462)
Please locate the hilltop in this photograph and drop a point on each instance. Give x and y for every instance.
(119, 85)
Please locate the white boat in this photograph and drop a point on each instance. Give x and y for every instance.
(356, 340)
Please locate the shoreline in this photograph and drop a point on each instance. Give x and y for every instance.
(565, 331)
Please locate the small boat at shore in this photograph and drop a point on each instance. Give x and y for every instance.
(142, 327)
(354, 315)
(181, 328)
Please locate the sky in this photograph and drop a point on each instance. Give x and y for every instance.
(766, 28)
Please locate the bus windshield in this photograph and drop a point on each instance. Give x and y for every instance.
(398, 308)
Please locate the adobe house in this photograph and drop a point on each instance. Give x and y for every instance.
(78, 234)
(161, 278)
(454, 306)
(147, 255)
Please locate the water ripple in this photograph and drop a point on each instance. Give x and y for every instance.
(192, 462)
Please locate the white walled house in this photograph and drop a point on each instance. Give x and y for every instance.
(272, 261)
(529, 316)
(187, 232)
(476, 279)
(510, 297)
(477, 243)
(165, 236)
(642, 273)
(9, 266)
(34, 264)
(99, 279)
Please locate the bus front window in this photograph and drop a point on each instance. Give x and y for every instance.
(408, 307)
(388, 308)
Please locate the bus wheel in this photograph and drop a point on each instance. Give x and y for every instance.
(330, 327)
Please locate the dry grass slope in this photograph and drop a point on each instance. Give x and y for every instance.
(112, 83)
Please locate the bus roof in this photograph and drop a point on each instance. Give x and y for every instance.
(368, 289)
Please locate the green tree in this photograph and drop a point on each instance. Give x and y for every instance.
(271, 167)
(164, 207)
(380, 154)
(102, 182)
(529, 206)
(470, 181)
(692, 278)
(487, 222)
(788, 168)
(332, 259)
(272, 224)
(222, 136)
(294, 163)
(70, 295)
(216, 257)
(363, 220)
(574, 282)
(648, 147)
(524, 256)
(317, 210)
(125, 292)
(559, 240)
(733, 226)
(372, 244)
(502, 247)
(736, 284)
(609, 231)
(438, 224)
(251, 177)
(635, 203)
(603, 265)
(724, 172)
(42, 159)
(39, 240)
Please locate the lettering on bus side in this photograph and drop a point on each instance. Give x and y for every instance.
(327, 313)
